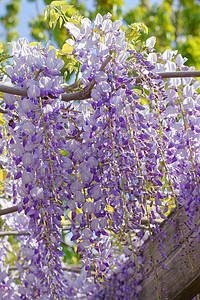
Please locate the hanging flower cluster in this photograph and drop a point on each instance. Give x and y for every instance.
(129, 151)
(36, 167)
(179, 119)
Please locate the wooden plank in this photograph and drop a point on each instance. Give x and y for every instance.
(181, 281)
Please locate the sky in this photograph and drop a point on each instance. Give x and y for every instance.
(31, 9)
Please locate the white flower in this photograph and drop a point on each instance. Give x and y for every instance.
(72, 29)
(150, 42)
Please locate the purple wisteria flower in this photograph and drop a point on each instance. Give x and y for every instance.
(104, 162)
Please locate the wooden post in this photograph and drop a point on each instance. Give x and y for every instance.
(181, 281)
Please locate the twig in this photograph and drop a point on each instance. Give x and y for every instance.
(179, 74)
(14, 233)
(38, 73)
(8, 210)
(72, 268)
(76, 269)
(148, 6)
(66, 229)
(76, 137)
(145, 221)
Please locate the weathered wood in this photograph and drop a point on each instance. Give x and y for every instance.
(181, 281)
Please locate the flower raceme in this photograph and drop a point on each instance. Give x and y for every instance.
(129, 151)
(36, 166)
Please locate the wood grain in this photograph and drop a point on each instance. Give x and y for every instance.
(181, 281)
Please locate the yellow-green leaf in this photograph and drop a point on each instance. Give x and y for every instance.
(65, 8)
(1, 50)
(144, 101)
(57, 3)
(62, 220)
(66, 49)
(1, 119)
(109, 208)
(70, 215)
(135, 30)
(60, 21)
(53, 18)
(34, 44)
(46, 12)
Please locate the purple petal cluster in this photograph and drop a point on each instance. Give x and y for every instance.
(36, 167)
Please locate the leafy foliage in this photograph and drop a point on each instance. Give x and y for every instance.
(174, 23)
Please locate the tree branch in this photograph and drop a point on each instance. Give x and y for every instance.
(80, 95)
(86, 92)
(69, 88)
(144, 220)
(8, 89)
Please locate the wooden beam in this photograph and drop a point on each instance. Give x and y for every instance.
(181, 280)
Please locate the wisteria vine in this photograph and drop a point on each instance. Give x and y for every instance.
(129, 151)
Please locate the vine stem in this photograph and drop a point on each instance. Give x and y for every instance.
(48, 147)
(126, 217)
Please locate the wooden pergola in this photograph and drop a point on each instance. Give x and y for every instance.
(181, 279)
